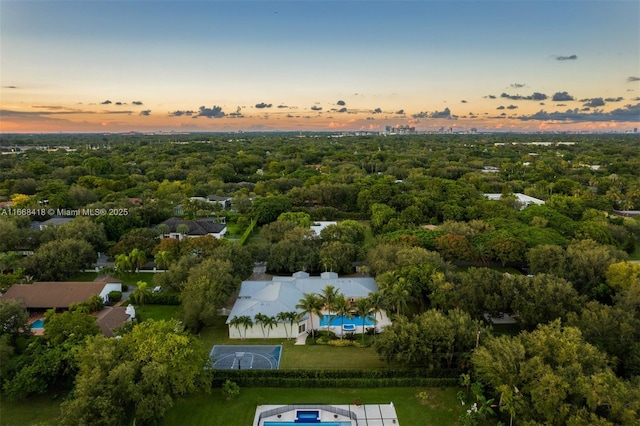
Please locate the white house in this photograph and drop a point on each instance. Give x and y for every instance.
(524, 200)
(317, 227)
(282, 294)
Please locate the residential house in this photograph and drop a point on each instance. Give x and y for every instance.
(524, 200)
(194, 228)
(41, 296)
(282, 294)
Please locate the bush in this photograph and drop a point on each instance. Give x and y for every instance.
(337, 378)
(341, 343)
(115, 296)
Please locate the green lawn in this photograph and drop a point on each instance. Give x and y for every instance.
(41, 411)
(158, 312)
(440, 408)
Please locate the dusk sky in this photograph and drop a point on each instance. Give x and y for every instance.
(117, 66)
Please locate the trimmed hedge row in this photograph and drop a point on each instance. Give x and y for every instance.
(163, 299)
(335, 378)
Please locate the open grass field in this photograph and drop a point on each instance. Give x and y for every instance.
(158, 312)
(40, 411)
(440, 407)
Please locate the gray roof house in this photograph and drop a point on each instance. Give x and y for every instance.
(282, 294)
(196, 228)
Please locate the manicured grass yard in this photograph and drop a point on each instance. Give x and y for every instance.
(440, 408)
(39, 411)
(158, 312)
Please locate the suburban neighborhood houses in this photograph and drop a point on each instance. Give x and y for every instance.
(249, 279)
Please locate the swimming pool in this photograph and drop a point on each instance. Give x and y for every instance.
(336, 320)
(39, 323)
(299, 424)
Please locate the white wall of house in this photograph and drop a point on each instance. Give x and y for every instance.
(108, 288)
(277, 332)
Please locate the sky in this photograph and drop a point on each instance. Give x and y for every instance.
(161, 65)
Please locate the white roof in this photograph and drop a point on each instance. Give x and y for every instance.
(317, 227)
(521, 197)
(282, 294)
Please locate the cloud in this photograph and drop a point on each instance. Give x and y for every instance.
(342, 110)
(316, 108)
(420, 115)
(441, 114)
(512, 107)
(263, 105)
(536, 96)
(282, 106)
(136, 103)
(500, 107)
(594, 103)
(566, 58)
(145, 112)
(181, 113)
(562, 96)
(491, 96)
(463, 101)
(377, 111)
(9, 87)
(630, 113)
(518, 85)
(632, 78)
(618, 99)
(400, 112)
(118, 103)
(237, 113)
(107, 102)
(342, 103)
(213, 112)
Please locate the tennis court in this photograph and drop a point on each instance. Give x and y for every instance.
(246, 357)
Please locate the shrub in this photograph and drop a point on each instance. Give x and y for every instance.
(115, 296)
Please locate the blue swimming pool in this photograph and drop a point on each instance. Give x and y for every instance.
(336, 320)
(39, 323)
(299, 424)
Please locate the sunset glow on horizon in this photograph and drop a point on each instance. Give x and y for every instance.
(518, 65)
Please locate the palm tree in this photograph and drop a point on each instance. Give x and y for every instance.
(399, 295)
(329, 296)
(363, 308)
(343, 309)
(290, 317)
(137, 258)
(246, 322)
(162, 259)
(269, 322)
(310, 304)
(141, 293)
(261, 319)
(123, 263)
(236, 322)
(378, 303)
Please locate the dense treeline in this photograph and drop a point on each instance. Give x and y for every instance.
(410, 212)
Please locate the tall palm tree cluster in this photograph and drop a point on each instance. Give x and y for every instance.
(334, 302)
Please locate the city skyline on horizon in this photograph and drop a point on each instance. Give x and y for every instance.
(218, 66)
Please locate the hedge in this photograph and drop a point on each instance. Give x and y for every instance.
(163, 299)
(336, 378)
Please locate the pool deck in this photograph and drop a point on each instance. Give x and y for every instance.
(36, 331)
(357, 415)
